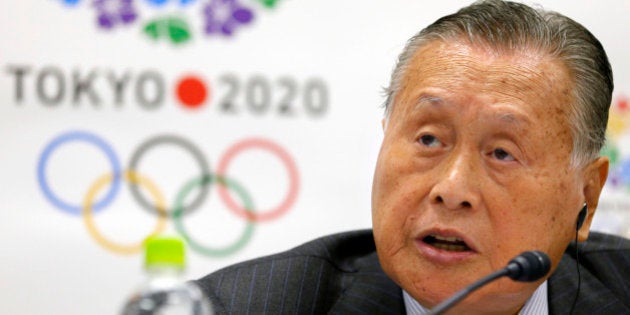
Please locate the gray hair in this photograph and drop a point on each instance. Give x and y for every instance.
(506, 26)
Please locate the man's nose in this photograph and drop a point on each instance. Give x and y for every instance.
(457, 183)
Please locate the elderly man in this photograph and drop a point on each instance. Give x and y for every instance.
(495, 117)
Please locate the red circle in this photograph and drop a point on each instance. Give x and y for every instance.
(275, 212)
(191, 91)
(622, 103)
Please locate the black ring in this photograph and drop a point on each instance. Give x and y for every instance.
(181, 142)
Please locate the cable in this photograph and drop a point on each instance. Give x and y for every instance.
(577, 266)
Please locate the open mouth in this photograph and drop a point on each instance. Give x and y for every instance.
(451, 244)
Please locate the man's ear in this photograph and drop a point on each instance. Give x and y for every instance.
(595, 175)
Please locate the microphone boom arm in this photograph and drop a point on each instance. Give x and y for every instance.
(450, 302)
(527, 267)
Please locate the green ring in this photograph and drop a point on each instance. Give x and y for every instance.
(179, 210)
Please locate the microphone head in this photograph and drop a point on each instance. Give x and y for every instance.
(528, 266)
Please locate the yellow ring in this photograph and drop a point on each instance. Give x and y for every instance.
(88, 219)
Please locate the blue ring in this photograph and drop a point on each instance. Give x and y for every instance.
(160, 3)
(71, 2)
(157, 3)
(78, 136)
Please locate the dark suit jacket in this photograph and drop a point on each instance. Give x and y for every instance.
(340, 274)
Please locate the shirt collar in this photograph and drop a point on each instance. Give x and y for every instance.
(537, 304)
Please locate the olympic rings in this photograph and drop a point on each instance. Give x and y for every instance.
(288, 162)
(85, 137)
(245, 198)
(176, 140)
(132, 177)
(244, 209)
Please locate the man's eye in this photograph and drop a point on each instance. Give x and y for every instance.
(430, 141)
(502, 155)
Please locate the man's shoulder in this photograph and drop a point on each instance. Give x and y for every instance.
(340, 250)
(308, 278)
(607, 258)
(602, 243)
(603, 276)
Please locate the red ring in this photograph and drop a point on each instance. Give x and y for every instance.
(273, 213)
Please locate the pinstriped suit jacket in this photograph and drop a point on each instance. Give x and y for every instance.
(340, 274)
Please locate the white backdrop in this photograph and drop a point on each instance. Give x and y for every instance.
(297, 85)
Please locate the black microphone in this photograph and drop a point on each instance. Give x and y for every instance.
(526, 267)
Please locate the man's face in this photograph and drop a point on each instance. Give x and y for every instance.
(473, 170)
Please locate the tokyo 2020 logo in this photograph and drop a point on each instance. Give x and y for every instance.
(169, 19)
(96, 200)
(617, 134)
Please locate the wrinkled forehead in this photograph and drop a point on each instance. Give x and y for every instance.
(520, 77)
